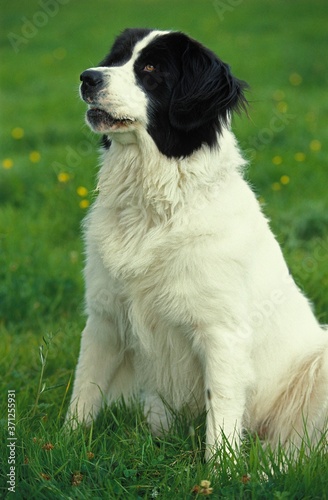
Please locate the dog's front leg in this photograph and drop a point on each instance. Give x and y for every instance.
(227, 376)
(99, 360)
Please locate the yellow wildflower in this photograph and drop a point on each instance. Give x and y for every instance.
(284, 179)
(277, 160)
(315, 145)
(17, 132)
(63, 177)
(295, 79)
(35, 156)
(276, 186)
(84, 204)
(7, 163)
(82, 191)
(282, 106)
(299, 156)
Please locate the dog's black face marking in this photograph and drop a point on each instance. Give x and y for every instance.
(191, 93)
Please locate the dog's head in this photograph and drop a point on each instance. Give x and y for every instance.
(165, 83)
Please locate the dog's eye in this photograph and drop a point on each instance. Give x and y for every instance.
(149, 68)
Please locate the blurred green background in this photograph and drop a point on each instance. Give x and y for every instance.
(49, 157)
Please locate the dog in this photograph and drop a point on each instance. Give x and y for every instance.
(189, 300)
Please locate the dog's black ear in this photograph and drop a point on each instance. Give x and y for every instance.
(206, 92)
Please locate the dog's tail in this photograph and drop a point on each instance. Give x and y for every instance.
(301, 407)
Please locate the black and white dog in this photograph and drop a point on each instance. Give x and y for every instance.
(188, 296)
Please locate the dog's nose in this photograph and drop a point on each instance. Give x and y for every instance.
(91, 78)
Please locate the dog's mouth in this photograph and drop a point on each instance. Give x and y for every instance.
(102, 121)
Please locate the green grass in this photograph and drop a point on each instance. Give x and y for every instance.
(47, 153)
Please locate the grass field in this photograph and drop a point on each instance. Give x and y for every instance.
(48, 166)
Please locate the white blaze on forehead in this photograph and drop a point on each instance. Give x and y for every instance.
(139, 46)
